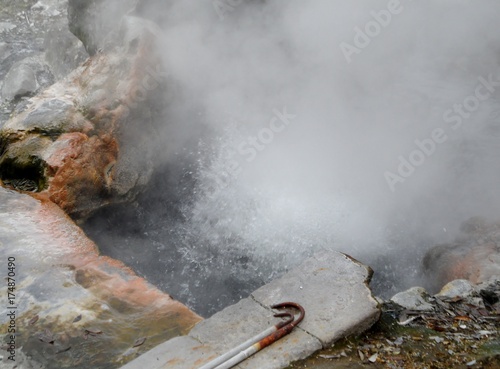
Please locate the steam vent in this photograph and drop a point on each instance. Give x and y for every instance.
(249, 184)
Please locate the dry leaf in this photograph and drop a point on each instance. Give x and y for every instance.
(33, 320)
(139, 341)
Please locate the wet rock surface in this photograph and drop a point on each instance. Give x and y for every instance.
(474, 255)
(75, 309)
(83, 142)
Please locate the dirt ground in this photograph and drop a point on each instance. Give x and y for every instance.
(457, 334)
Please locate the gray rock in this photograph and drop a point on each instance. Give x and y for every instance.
(26, 77)
(4, 51)
(51, 116)
(473, 255)
(63, 51)
(413, 299)
(19, 81)
(101, 121)
(5, 27)
(92, 21)
(48, 8)
(27, 40)
(60, 276)
(457, 288)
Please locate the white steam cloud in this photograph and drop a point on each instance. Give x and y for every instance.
(356, 120)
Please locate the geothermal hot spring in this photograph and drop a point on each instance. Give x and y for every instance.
(296, 126)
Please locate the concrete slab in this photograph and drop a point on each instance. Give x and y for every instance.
(296, 346)
(237, 323)
(179, 353)
(332, 288)
(234, 325)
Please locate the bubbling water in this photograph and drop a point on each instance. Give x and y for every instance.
(276, 146)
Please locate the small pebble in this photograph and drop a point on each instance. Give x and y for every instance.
(373, 358)
(399, 341)
(437, 339)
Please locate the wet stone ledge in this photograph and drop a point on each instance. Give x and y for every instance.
(332, 288)
(74, 308)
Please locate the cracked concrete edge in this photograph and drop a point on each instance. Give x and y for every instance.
(204, 343)
(317, 279)
(266, 360)
(371, 319)
(245, 319)
(369, 270)
(376, 316)
(296, 328)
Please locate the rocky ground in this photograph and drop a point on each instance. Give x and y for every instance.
(458, 328)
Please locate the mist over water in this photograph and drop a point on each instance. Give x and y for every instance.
(247, 195)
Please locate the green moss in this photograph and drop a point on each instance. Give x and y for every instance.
(490, 349)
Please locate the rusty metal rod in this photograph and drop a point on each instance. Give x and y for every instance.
(260, 341)
(248, 343)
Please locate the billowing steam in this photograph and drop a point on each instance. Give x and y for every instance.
(372, 128)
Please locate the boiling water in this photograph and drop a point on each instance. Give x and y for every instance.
(277, 145)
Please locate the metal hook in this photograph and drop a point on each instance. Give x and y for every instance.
(284, 305)
(284, 322)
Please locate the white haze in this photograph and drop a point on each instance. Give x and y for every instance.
(320, 182)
